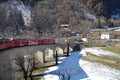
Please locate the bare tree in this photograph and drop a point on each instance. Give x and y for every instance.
(26, 64)
(43, 21)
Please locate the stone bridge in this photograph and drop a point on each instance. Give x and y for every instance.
(41, 53)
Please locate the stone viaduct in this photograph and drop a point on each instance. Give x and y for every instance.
(42, 53)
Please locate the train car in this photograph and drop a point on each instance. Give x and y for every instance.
(4, 41)
(24, 42)
(51, 41)
(15, 43)
(47, 41)
(9, 43)
(20, 42)
(5, 44)
(44, 41)
(39, 41)
(32, 41)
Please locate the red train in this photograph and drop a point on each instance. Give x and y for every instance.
(9, 43)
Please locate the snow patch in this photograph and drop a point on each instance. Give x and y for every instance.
(97, 71)
(51, 77)
(51, 69)
(90, 16)
(84, 39)
(97, 51)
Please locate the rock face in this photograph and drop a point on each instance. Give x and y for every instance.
(15, 15)
(38, 17)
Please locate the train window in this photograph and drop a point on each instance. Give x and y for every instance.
(39, 42)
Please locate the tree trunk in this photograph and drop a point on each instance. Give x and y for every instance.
(67, 49)
(31, 76)
(25, 76)
(56, 58)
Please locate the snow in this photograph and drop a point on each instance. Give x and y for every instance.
(97, 51)
(90, 16)
(73, 68)
(97, 71)
(84, 39)
(51, 77)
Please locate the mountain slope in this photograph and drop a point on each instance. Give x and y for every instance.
(37, 18)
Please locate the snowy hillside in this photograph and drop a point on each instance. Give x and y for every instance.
(73, 68)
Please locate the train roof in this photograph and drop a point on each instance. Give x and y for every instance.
(25, 38)
(4, 39)
(32, 38)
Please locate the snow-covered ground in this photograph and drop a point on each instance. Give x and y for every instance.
(73, 68)
(97, 51)
(96, 71)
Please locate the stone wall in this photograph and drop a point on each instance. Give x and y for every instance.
(6, 70)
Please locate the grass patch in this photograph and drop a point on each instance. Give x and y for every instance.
(115, 58)
(40, 70)
(95, 35)
(34, 78)
(114, 63)
(95, 44)
(44, 67)
(114, 49)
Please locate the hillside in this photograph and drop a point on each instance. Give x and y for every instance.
(42, 18)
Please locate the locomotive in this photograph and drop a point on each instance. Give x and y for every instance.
(10, 43)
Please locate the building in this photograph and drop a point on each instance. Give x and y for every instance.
(105, 35)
